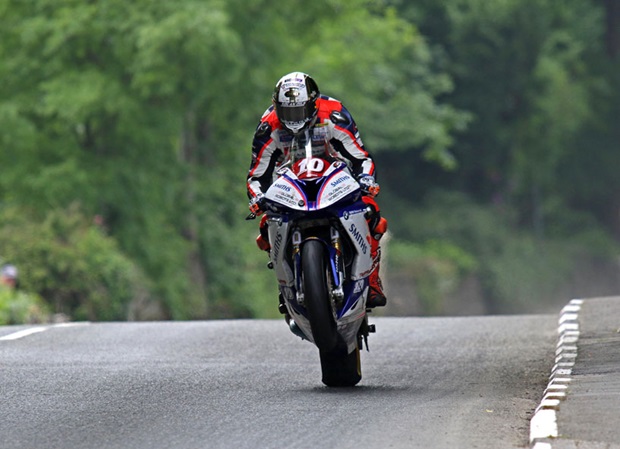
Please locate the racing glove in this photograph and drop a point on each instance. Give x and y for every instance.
(257, 204)
(369, 185)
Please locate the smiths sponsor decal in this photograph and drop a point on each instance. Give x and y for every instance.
(277, 245)
(282, 187)
(339, 180)
(284, 194)
(359, 238)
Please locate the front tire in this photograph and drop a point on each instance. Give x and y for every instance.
(340, 369)
(316, 296)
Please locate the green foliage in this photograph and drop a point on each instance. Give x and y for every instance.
(517, 271)
(537, 157)
(17, 307)
(71, 264)
(143, 112)
(522, 69)
(390, 82)
(436, 268)
(108, 104)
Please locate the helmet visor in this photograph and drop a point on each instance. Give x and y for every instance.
(295, 118)
(292, 113)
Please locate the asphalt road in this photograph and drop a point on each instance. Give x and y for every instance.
(428, 383)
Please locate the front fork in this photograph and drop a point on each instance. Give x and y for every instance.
(337, 272)
(337, 265)
(296, 241)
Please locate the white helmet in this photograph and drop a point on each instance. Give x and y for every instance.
(294, 99)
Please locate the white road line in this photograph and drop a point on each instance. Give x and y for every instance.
(72, 324)
(23, 333)
(541, 446)
(544, 425)
(35, 330)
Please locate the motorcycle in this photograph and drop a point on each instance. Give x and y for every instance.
(320, 252)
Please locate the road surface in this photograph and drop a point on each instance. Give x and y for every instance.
(427, 383)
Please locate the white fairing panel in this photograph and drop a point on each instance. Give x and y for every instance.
(278, 236)
(356, 226)
(284, 191)
(339, 185)
(336, 184)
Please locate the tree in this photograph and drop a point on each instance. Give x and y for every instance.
(521, 68)
(107, 91)
(142, 113)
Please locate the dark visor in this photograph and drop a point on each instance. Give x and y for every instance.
(293, 114)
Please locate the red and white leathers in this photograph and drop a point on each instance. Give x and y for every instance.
(333, 125)
(333, 133)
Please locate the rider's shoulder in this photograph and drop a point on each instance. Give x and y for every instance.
(325, 105)
(268, 122)
(331, 109)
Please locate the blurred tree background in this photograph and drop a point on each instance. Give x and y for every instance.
(126, 129)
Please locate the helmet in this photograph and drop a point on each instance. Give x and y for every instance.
(294, 99)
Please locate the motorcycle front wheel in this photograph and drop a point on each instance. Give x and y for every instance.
(339, 368)
(316, 296)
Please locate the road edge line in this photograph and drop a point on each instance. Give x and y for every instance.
(35, 330)
(544, 425)
(23, 333)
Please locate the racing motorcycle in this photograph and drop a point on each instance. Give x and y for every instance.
(320, 252)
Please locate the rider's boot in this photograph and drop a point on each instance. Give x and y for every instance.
(262, 241)
(376, 297)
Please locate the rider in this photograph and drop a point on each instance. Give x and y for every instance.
(298, 106)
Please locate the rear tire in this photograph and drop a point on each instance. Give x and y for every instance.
(316, 296)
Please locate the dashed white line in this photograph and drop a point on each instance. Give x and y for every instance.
(543, 426)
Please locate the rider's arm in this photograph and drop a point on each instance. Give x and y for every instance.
(346, 140)
(265, 154)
